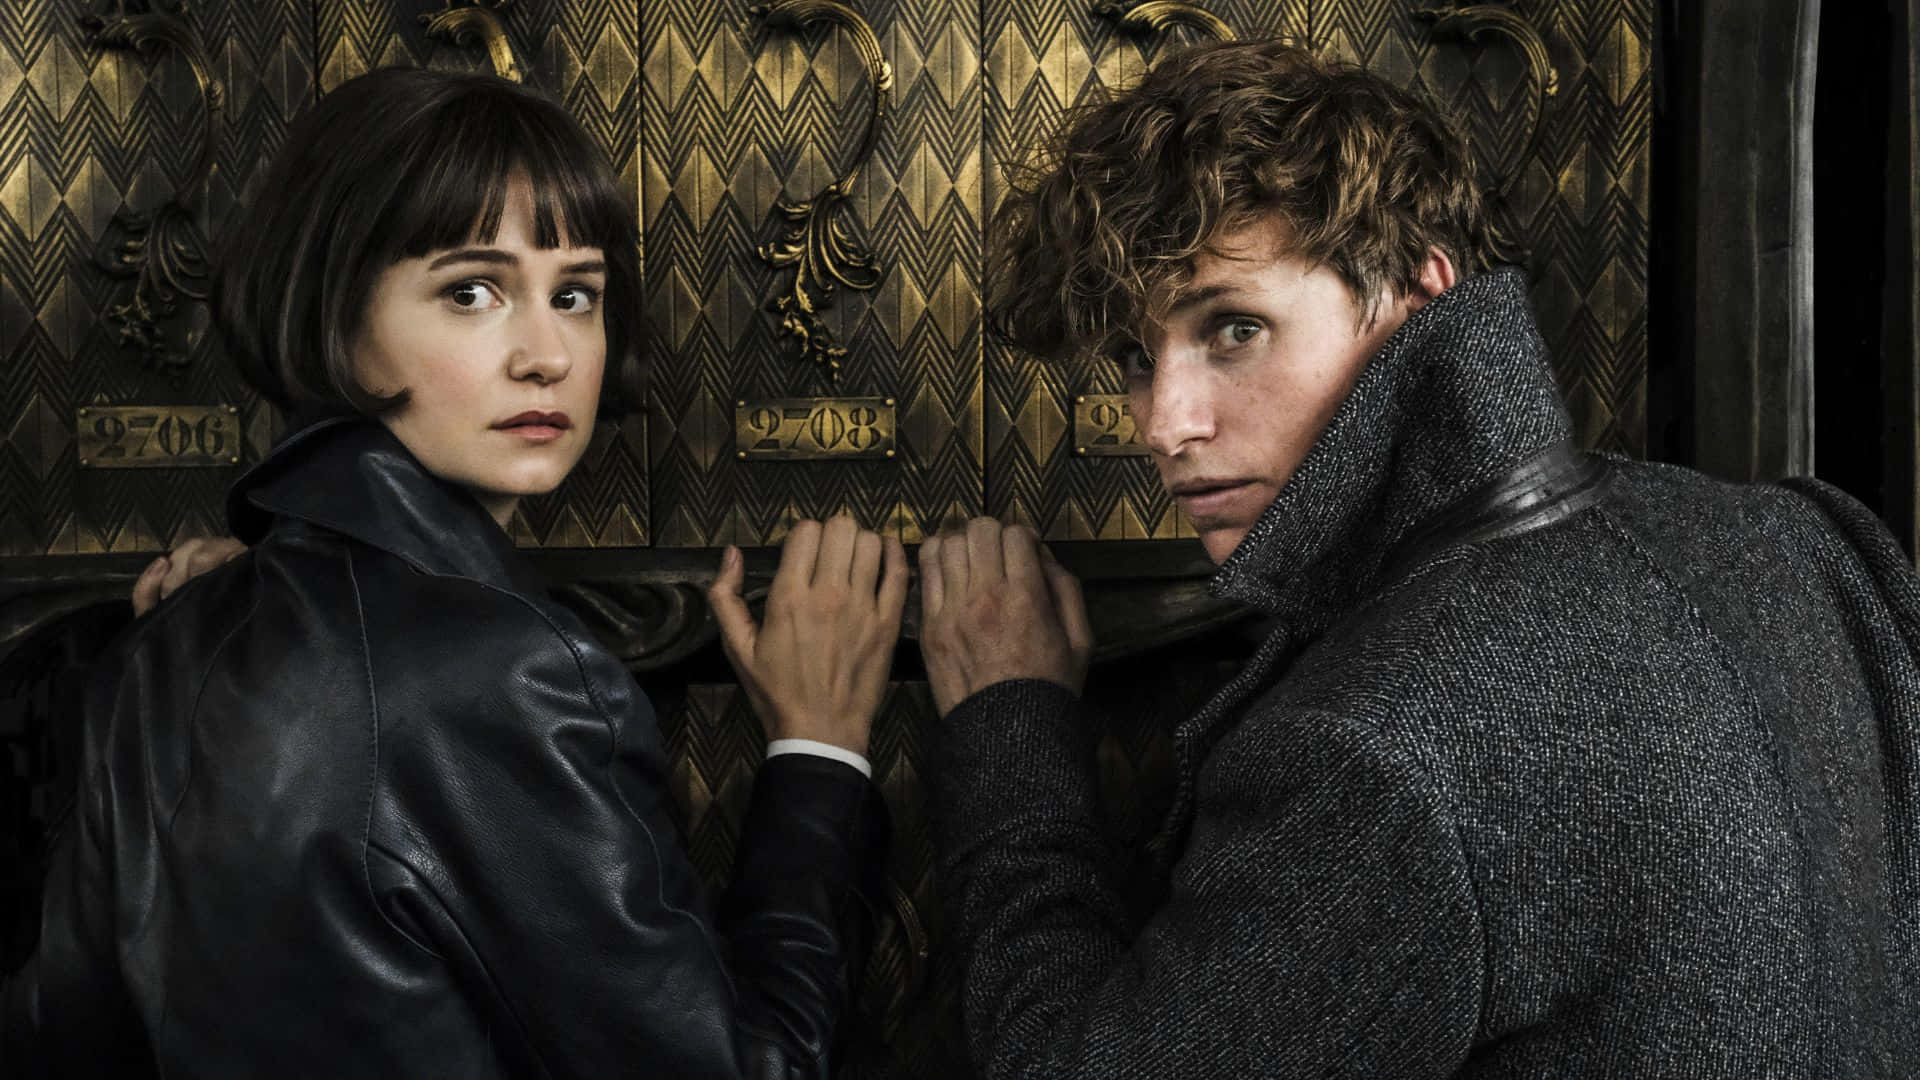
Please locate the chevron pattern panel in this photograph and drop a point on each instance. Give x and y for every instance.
(586, 54)
(735, 114)
(1044, 58)
(1579, 201)
(87, 133)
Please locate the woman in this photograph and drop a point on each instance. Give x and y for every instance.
(365, 802)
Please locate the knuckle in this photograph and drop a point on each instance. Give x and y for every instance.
(983, 607)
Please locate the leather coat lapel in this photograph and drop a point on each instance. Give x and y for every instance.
(352, 476)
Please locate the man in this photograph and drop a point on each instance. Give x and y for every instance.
(1551, 765)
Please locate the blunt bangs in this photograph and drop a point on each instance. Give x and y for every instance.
(454, 186)
(395, 164)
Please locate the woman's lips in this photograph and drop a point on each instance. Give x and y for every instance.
(536, 433)
(536, 427)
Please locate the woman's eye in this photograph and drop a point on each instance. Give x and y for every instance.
(472, 296)
(575, 299)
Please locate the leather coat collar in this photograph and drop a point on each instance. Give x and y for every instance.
(1554, 484)
(352, 476)
(1454, 429)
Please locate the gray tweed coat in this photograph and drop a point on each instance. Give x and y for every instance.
(1627, 793)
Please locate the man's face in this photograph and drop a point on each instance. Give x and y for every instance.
(1234, 387)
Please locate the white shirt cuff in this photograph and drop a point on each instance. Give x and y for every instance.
(820, 749)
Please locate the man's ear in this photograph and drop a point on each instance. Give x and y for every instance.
(1436, 276)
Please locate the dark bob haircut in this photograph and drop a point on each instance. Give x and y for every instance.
(392, 165)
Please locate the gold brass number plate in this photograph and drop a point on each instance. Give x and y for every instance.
(814, 429)
(1103, 427)
(157, 436)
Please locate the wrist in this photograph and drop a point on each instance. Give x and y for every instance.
(822, 734)
(779, 747)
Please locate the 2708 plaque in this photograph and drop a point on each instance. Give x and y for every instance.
(814, 429)
(157, 436)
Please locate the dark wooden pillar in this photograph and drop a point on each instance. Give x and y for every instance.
(1751, 196)
(1900, 336)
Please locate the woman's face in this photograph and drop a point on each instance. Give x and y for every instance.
(502, 347)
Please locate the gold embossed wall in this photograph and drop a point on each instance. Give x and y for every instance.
(1576, 195)
(88, 133)
(713, 113)
(738, 113)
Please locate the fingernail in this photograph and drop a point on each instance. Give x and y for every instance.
(157, 564)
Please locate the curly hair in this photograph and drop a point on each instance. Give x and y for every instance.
(1098, 235)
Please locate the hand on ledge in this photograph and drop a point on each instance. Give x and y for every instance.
(817, 667)
(165, 575)
(996, 606)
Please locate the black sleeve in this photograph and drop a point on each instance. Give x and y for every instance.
(1320, 921)
(66, 1011)
(1885, 625)
(550, 878)
(799, 915)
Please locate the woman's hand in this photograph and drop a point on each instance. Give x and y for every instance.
(817, 668)
(164, 575)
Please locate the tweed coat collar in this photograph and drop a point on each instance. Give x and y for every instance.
(1458, 396)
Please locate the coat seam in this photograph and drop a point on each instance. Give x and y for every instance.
(613, 742)
(366, 840)
(206, 674)
(1723, 658)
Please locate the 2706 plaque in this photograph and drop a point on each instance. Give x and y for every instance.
(814, 429)
(157, 436)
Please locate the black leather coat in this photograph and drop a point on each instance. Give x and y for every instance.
(365, 802)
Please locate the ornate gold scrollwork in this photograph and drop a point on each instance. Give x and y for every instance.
(1160, 16)
(648, 624)
(164, 251)
(1473, 22)
(815, 241)
(476, 23)
(916, 948)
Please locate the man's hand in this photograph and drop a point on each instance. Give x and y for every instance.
(164, 575)
(818, 666)
(996, 606)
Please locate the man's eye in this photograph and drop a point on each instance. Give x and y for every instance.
(1240, 331)
(576, 299)
(1134, 360)
(472, 296)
